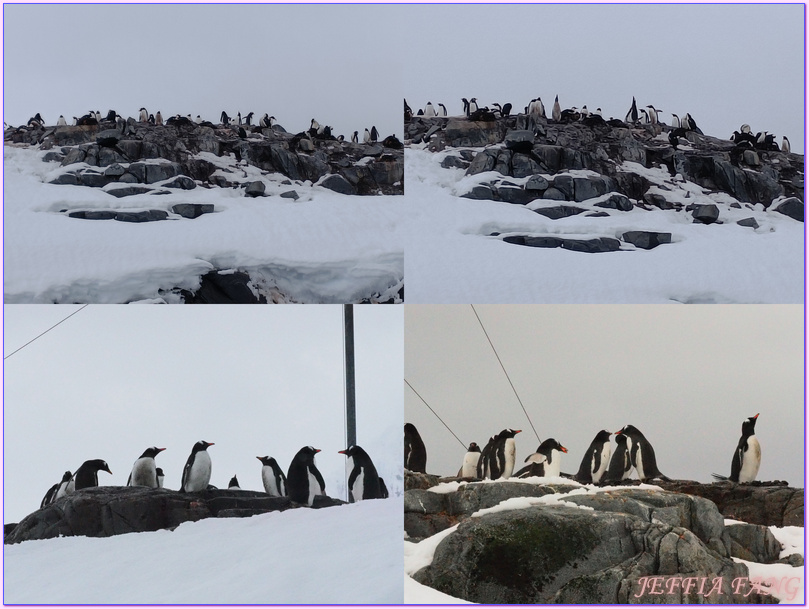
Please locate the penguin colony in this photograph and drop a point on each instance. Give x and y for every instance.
(648, 115)
(244, 126)
(302, 482)
(599, 465)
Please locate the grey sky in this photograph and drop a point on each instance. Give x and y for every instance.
(332, 63)
(113, 380)
(687, 377)
(701, 59)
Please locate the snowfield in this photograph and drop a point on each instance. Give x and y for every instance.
(323, 248)
(337, 555)
(451, 257)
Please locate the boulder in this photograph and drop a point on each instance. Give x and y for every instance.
(227, 287)
(559, 211)
(472, 134)
(254, 189)
(182, 182)
(616, 201)
(192, 210)
(150, 215)
(706, 214)
(338, 183)
(792, 207)
(646, 240)
(753, 542)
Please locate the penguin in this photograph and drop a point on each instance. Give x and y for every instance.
(556, 113)
(443, 109)
(747, 456)
(548, 455)
(675, 121)
(151, 119)
(632, 115)
(264, 121)
(36, 121)
(498, 110)
(596, 459)
(242, 133)
(652, 114)
(248, 119)
(470, 462)
(158, 118)
(473, 105)
(506, 110)
(465, 106)
(505, 452)
(785, 147)
(363, 481)
(224, 118)
(355, 138)
(144, 471)
(57, 491)
(275, 482)
(50, 496)
(415, 453)
(61, 122)
(197, 470)
(620, 466)
(429, 110)
(641, 454)
(366, 139)
(87, 474)
(408, 111)
(745, 128)
(160, 477)
(584, 112)
(374, 134)
(303, 478)
(144, 116)
(645, 120)
(484, 462)
(233, 485)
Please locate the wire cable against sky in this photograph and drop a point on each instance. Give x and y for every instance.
(44, 333)
(506, 373)
(434, 412)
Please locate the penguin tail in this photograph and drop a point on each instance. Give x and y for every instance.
(718, 477)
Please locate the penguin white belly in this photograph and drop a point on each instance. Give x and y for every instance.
(144, 473)
(470, 465)
(314, 487)
(359, 486)
(200, 473)
(554, 467)
(751, 460)
(510, 454)
(268, 478)
(605, 459)
(639, 463)
(62, 490)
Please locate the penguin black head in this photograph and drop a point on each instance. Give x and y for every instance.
(473, 448)
(509, 433)
(67, 476)
(602, 436)
(749, 426)
(267, 461)
(152, 452)
(201, 445)
(234, 483)
(307, 454)
(98, 465)
(352, 451)
(159, 471)
(550, 444)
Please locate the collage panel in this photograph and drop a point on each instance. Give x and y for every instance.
(235, 154)
(604, 454)
(244, 413)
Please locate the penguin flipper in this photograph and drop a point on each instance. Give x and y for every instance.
(320, 481)
(354, 474)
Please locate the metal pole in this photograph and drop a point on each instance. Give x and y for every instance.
(351, 405)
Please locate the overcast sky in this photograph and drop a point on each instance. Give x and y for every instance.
(687, 377)
(337, 64)
(114, 380)
(724, 64)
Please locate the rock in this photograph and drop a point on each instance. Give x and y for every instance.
(484, 161)
(753, 542)
(472, 134)
(306, 145)
(182, 182)
(616, 201)
(590, 187)
(792, 207)
(338, 183)
(515, 195)
(592, 246)
(108, 138)
(254, 189)
(559, 211)
(416, 480)
(218, 287)
(290, 194)
(93, 215)
(451, 161)
(519, 141)
(192, 210)
(536, 182)
(480, 192)
(66, 178)
(75, 155)
(751, 222)
(128, 191)
(554, 194)
(95, 180)
(53, 155)
(161, 172)
(114, 170)
(646, 240)
(706, 214)
(150, 215)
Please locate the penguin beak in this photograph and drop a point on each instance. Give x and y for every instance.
(317, 450)
(563, 449)
(755, 417)
(517, 431)
(342, 452)
(160, 450)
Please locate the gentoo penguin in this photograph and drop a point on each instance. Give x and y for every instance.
(303, 478)
(620, 466)
(443, 109)
(415, 454)
(248, 119)
(374, 134)
(160, 477)
(675, 121)
(144, 116)
(52, 493)
(785, 147)
(383, 489)
(506, 109)
(87, 475)
(473, 105)
(596, 459)
(484, 469)
(197, 470)
(632, 115)
(363, 481)
(224, 118)
(158, 118)
(275, 482)
(144, 471)
(429, 110)
(556, 113)
(151, 119)
(61, 122)
(652, 114)
(469, 469)
(641, 454)
(645, 120)
(505, 452)
(747, 456)
(366, 139)
(465, 106)
(355, 139)
(264, 121)
(548, 455)
(745, 128)
(234, 484)
(66, 486)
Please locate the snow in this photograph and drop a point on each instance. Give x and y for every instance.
(343, 554)
(325, 247)
(452, 259)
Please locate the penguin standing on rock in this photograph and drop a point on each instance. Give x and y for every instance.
(197, 470)
(233, 485)
(546, 461)
(143, 116)
(160, 477)
(363, 481)
(304, 479)
(484, 469)
(275, 482)
(785, 147)
(556, 113)
(596, 459)
(641, 454)
(632, 116)
(53, 493)
(144, 471)
(87, 475)
(504, 453)
(415, 453)
(747, 457)
(470, 462)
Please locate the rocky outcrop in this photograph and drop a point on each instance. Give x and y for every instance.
(521, 146)
(109, 510)
(147, 154)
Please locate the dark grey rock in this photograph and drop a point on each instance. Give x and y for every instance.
(480, 192)
(454, 161)
(519, 140)
(503, 163)
(66, 178)
(53, 155)
(484, 161)
(559, 211)
(151, 215)
(792, 207)
(646, 240)
(128, 178)
(290, 194)
(131, 149)
(254, 189)
(591, 187)
(192, 210)
(706, 214)
(592, 246)
(751, 222)
(128, 191)
(565, 184)
(76, 155)
(114, 170)
(515, 195)
(616, 201)
(95, 180)
(523, 165)
(93, 215)
(554, 194)
(472, 134)
(224, 288)
(536, 182)
(108, 138)
(161, 172)
(338, 183)
(183, 182)
(751, 158)
(753, 542)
